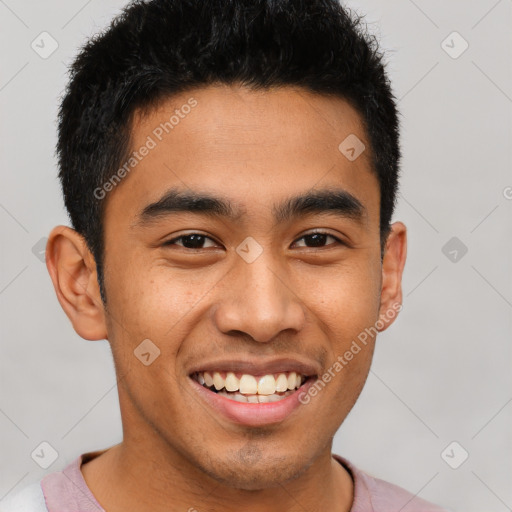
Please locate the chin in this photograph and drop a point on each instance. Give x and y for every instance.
(250, 469)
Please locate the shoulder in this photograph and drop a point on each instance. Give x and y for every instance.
(386, 495)
(375, 495)
(28, 499)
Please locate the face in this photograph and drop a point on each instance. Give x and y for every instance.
(251, 281)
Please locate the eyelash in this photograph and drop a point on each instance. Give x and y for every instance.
(171, 242)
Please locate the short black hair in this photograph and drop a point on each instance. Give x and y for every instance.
(157, 48)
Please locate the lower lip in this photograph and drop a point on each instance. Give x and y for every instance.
(253, 414)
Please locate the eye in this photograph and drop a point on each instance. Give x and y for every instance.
(318, 239)
(191, 241)
(197, 240)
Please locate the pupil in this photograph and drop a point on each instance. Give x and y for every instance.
(196, 241)
(318, 239)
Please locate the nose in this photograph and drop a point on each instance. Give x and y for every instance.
(258, 300)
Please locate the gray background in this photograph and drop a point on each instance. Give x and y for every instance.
(441, 373)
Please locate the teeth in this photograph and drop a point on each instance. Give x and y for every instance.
(232, 383)
(248, 385)
(281, 382)
(254, 399)
(237, 397)
(266, 385)
(218, 381)
(208, 380)
(292, 380)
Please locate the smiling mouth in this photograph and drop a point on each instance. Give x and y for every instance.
(248, 388)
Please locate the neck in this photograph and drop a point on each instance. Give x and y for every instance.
(125, 477)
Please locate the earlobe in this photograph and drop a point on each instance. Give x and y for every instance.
(392, 270)
(73, 272)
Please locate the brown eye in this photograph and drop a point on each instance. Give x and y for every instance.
(318, 239)
(191, 241)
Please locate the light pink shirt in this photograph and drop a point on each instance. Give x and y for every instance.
(67, 491)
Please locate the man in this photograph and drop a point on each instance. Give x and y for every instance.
(230, 169)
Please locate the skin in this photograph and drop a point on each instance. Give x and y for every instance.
(297, 299)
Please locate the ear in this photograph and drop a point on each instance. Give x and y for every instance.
(392, 269)
(73, 272)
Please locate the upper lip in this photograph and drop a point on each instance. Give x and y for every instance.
(258, 367)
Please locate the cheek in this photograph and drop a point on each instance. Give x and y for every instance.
(156, 302)
(144, 295)
(345, 300)
(345, 307)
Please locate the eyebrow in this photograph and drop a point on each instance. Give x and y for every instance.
(335, 201)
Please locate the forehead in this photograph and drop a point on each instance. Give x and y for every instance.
(252, 146)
